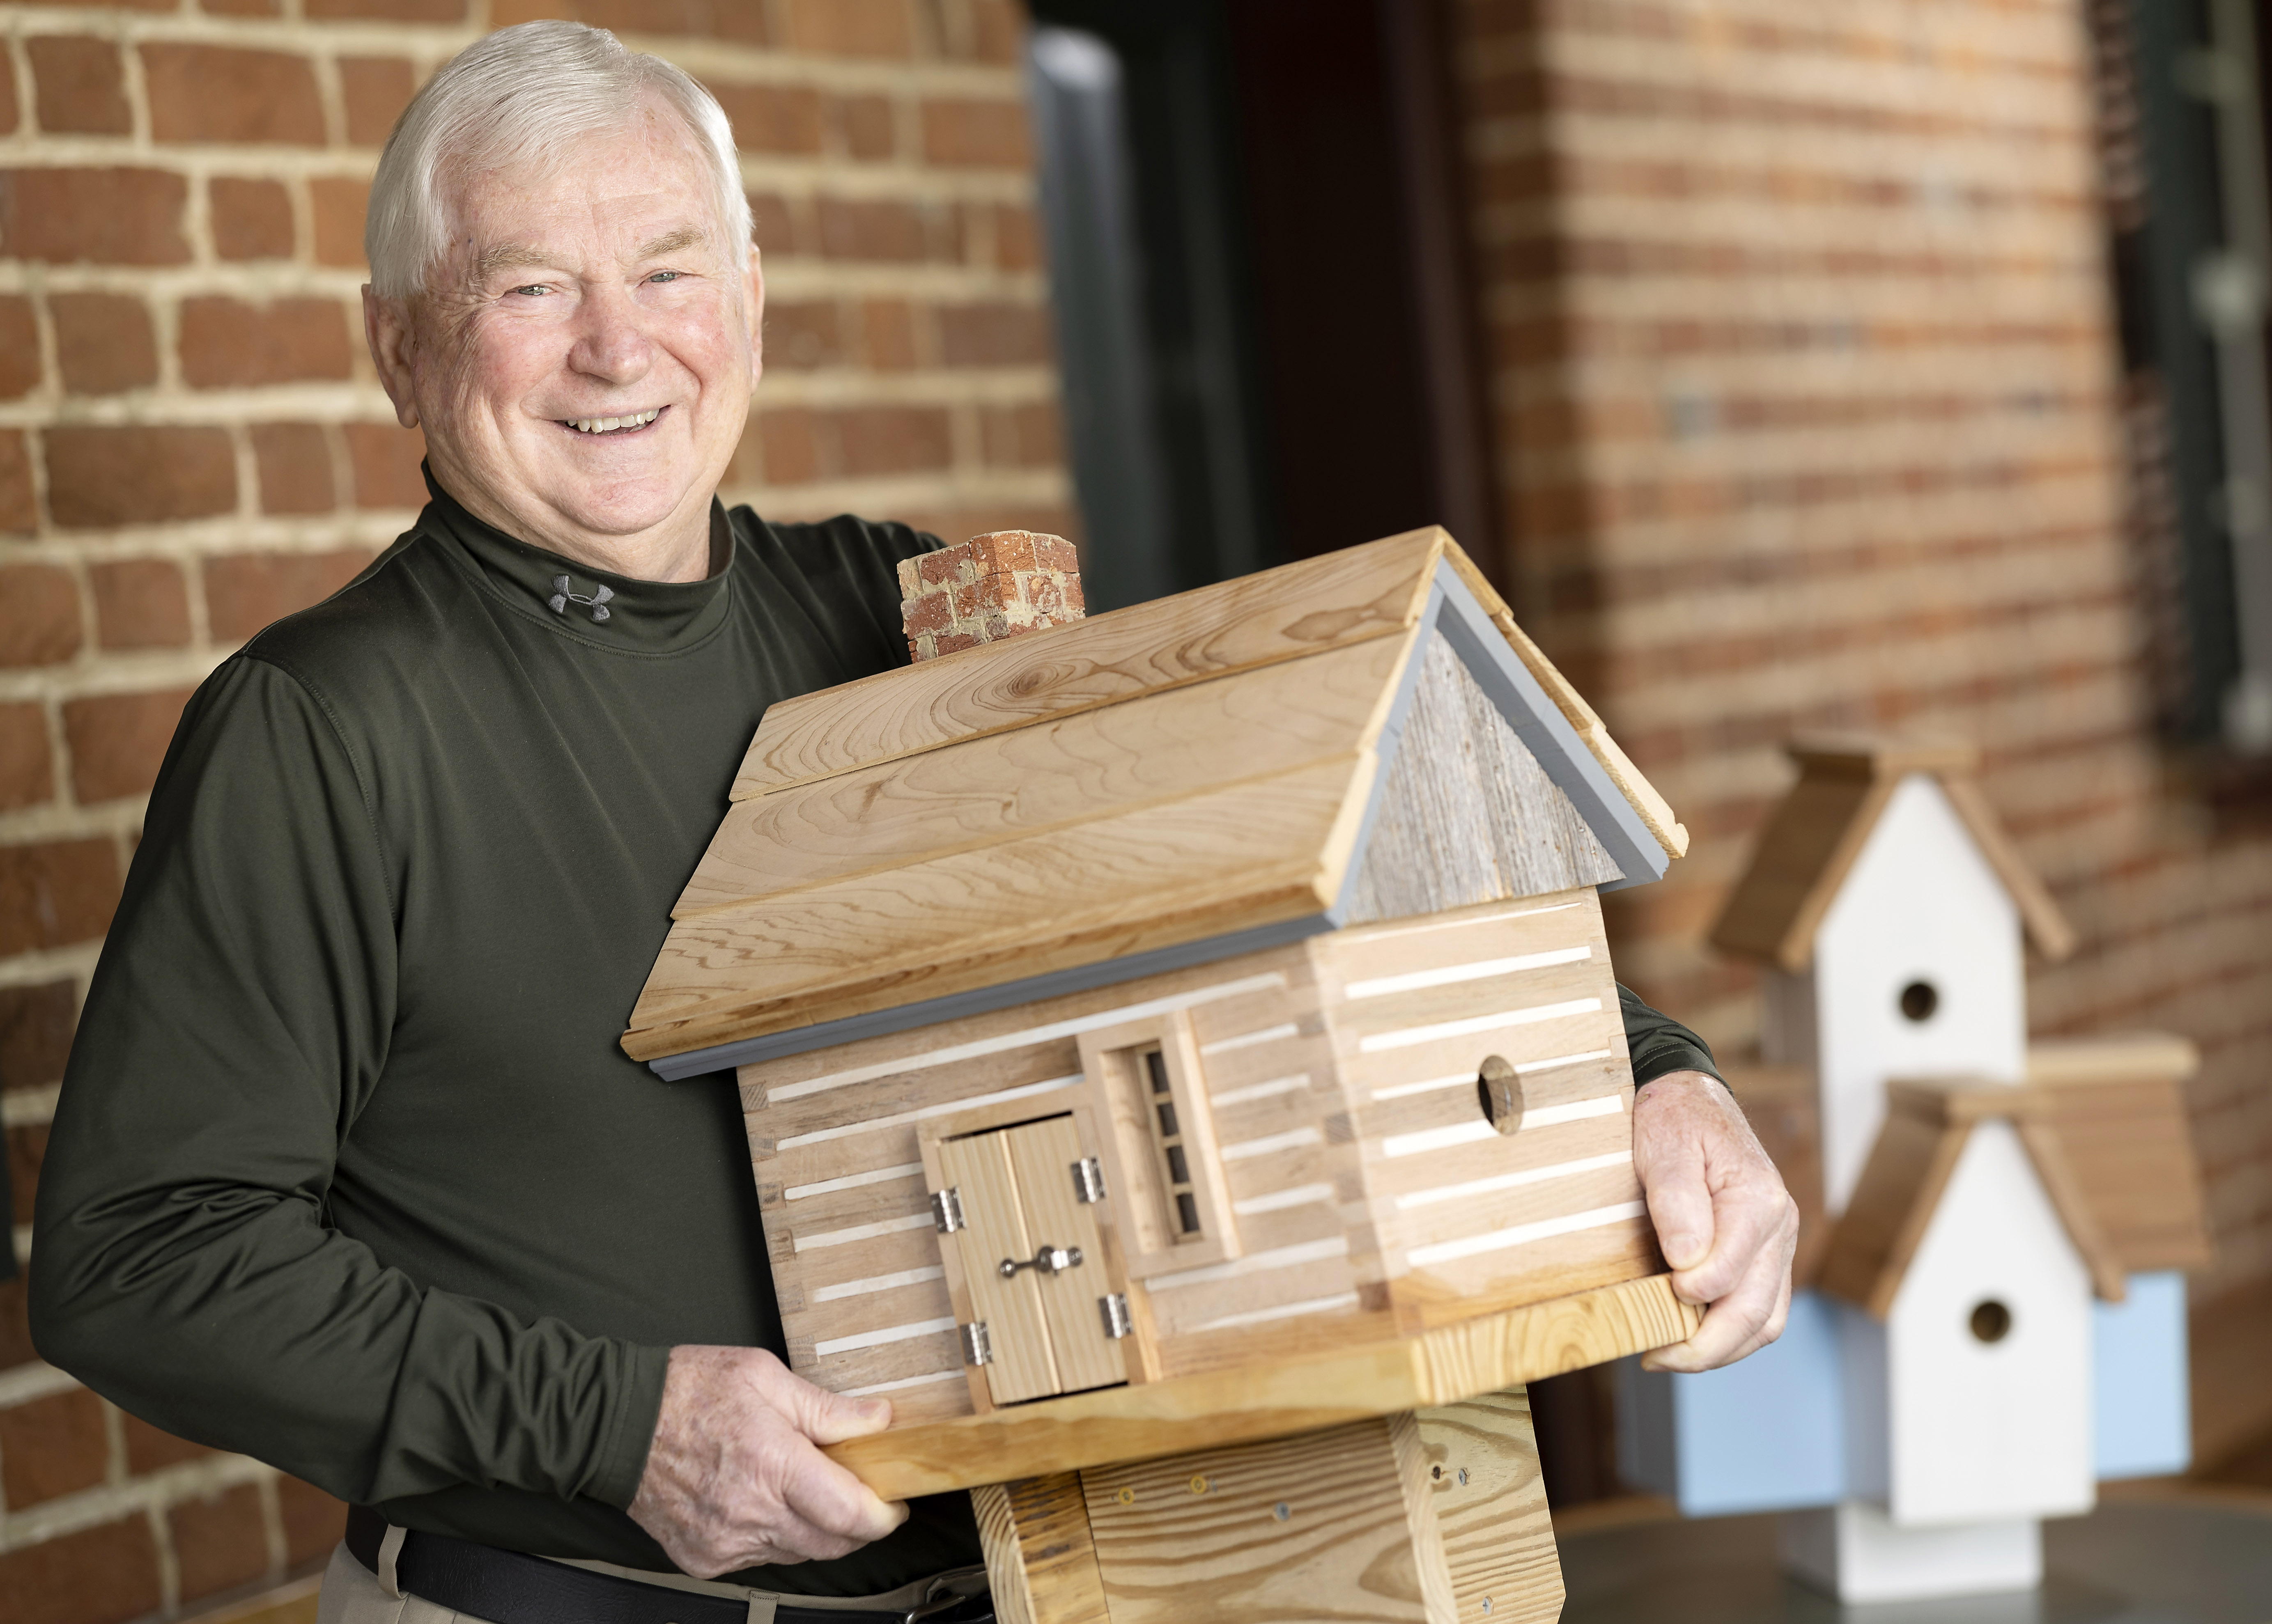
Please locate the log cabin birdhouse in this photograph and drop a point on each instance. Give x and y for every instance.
(1214, 991)
(1950, 1380)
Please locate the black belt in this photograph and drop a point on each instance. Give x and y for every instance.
(507, 1587)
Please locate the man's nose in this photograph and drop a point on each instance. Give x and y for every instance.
(611, 342)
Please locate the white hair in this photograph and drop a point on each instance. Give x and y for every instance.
(525, 94)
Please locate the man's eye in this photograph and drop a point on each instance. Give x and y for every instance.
(533, 288)
(665, 276)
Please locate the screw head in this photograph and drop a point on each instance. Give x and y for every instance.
(1463, 1476)
(1282, 1511)
(1127, 1496)
(1198, 1484)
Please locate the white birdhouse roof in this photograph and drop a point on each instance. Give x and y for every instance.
(1811, 843)
(1168, 784)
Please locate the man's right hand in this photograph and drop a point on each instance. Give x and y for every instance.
(733, 1480)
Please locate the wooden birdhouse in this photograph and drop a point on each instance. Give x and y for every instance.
(1992, 1229)
(1183, 1030)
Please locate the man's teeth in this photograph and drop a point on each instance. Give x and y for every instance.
(603, 425)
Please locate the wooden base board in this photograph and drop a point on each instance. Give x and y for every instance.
(1430, 1517)
(1276, 1400)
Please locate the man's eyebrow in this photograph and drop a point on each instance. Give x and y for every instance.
(504, 257)
(672, 242)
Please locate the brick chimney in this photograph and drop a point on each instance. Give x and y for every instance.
(990, 587)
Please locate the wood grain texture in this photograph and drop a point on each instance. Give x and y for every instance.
(1040, 1562)
(1466, 814)
(2116, 1108)
(2069, 1200)
(1158, 748)
(1041, 1155)
(1333, 1524)
(1326, 602)
(1258, 1401)
(1024, 1366)
(1253, 854)
(1491, 1509)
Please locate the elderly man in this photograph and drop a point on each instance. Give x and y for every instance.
(349, 1171)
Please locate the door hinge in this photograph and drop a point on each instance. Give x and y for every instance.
(946, 1209)
(1114, 1307)
(977, 1347)
(1087, 1181)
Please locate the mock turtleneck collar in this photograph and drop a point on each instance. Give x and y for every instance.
(649, 616)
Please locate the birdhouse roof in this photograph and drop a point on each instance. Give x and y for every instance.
(1804, 855)
(1209, 774)
(2103, 1123)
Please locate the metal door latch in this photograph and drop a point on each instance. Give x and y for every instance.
(1087, 1181)
(1113, 1306)
(1049, 1260)
(946, 1209)
(977, 1347)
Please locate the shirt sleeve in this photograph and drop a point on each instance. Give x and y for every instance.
(1661, 1045)
(237, 1023)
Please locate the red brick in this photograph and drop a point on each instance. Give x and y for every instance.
(242, 8)
(100, 1575)
(864, 125)
(35, 1033)
(220, 1541)
(17, 513)
(1017, 238)
(852, 27)
(993, 335)
(117, 741)
(252, 220)
(385, 462)
(15, 1326)
(20, 347)
(10, 115)
(99, 477)
(881, 229)
(247, 591)
(227, 344)
(104, 344)
(220, 94)
(893, 439)
(966, 134)
(109, 217)
(313, 1521)
(887, 335)
(26, 771)
(390, 10)
(27, 1149)
(772, 226)
(771, 118)
(149, 1449)
(375, 89)
(799, 336)
(338, 207)
(55, 893)
(52, 1446)
(38, 616)
(790, 452)
(140, 603)
(1026, 436)
(724, 19)
(296, 468)
(81, 85)
(998, 30)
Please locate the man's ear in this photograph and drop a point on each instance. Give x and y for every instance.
(753, 294)
(386, 328)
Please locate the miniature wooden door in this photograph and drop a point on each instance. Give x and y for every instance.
(1046, 1314)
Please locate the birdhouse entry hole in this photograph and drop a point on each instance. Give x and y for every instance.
(1992, 1320)
(1919, 1000)
(1500, 1092)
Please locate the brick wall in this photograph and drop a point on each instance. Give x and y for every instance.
(1806, 415)
(192, 445)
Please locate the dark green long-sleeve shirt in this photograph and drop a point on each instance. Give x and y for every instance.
(349, 1171)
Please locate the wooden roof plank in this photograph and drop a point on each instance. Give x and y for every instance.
(1337, 599)
(1885, 1221)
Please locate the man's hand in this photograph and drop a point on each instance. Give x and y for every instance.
(733, 1480)
(1725, 1222)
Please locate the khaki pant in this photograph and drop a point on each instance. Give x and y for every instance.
(352, 1594)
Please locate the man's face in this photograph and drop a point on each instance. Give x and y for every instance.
(604, 291)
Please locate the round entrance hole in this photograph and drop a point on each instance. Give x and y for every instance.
(1919, 1000)
(1992, 1320)
(1500, 1092)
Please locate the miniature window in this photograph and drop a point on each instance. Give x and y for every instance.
(1162, 1177)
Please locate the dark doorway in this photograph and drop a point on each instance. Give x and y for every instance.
(1257, 251)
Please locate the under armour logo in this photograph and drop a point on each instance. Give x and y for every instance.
(562, 597)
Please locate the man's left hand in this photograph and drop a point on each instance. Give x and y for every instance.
(1724, 1219)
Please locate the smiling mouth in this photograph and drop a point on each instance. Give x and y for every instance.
(629, 423)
